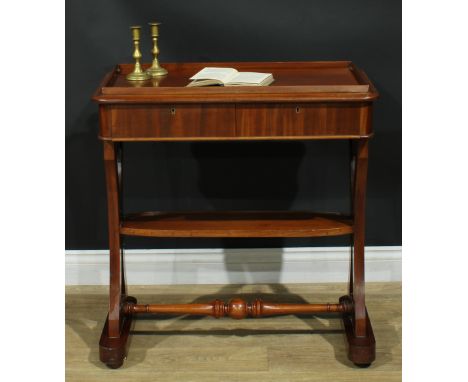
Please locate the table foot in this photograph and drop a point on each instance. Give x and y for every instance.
(361, 350)
(113, 350)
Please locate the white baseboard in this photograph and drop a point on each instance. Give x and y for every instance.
(232, 266)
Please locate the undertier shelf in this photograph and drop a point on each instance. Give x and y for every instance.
(236, 224)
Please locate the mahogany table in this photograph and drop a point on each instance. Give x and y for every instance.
(308, 100)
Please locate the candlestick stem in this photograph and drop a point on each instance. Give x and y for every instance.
(138, 74)
(155, 70)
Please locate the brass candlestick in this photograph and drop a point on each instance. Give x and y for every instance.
(155, 70)
(138, 74)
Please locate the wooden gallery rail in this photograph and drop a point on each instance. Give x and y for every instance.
(308, 100)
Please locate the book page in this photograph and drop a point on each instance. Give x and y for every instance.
(220, 74)
(249, 78)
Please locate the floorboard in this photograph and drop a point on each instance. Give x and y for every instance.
(287, 348)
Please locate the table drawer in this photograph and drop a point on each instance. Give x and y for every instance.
(172, 121)
(303, 120)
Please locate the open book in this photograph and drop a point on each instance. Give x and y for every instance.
(230, 77)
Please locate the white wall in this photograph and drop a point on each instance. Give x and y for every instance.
(232, 266)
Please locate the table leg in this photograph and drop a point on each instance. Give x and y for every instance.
(359, 237)
(357, 325)
(352, 174)
(113, 343)
(119, 158)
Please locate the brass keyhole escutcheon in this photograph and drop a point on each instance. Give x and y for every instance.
(298, 109)
(173, 110)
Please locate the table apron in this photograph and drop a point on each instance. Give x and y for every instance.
(235, 121)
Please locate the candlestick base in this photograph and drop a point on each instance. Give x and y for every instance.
(156, 71)
(135, 76)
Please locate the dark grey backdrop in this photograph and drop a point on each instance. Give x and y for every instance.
(177, 176)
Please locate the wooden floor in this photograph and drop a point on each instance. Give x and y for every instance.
(287, 348)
